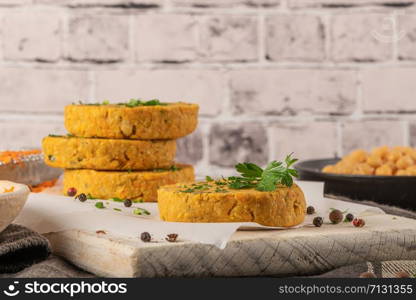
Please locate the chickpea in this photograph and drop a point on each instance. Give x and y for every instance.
(394, 155)
(357, 156)
(401, 149)
(411, 170)
(381, 152)
(404, 162)
(412, 154)
(374, 160)
(384, 170)
(344, 167)
(399, 160)
(363, 169)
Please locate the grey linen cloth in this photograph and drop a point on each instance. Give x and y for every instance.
(56, 267)
(20, 248)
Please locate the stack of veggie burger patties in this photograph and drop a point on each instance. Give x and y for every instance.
(124, 150)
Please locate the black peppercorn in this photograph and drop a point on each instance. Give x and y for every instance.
(336, 216)
(310, 210)
(81, 197)
(127, 203)
(318, 221)
(349, 218)
(145, 237)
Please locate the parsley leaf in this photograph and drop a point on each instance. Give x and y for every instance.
(99, 205)
(252, 176)
(249, 170)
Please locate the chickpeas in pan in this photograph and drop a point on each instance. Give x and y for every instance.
(381, 161)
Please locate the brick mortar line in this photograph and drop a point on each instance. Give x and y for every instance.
(267, 65)
(168, 5)
(241, 119)
(226, 11)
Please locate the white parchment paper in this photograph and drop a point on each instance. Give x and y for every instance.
(49, 212)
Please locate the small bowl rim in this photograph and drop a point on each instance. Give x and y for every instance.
(20, 190)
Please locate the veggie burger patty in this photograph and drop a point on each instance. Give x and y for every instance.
(136, 186)
(215, 202)
(108, 154)
(164, 121)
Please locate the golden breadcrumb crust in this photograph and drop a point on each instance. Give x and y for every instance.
(108, 154)
(170, 121)
(136, 186)
(284, 207)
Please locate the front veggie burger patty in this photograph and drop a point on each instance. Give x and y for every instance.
(136, 186)
(167, 121)
(213, 202)
(108, 154)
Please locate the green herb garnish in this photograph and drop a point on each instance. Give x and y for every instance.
(140, 211)
(173, 168)
(275, 173)
(219, 182)
(138, 102)
(99, 205)
(105, 102)
(196, 187)
(117, 209)
(209, 178)
(54, 135)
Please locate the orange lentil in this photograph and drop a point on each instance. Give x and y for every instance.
(44, 185)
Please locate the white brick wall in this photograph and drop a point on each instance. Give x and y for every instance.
(317, 77)
(293, 91)
(205, 87)
(229, 38)
(170, 37)
(32, 36)
(99, 38)
(352, 38)
(26, 89)
(295, 37)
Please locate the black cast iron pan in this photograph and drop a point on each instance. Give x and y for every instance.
(392, 190)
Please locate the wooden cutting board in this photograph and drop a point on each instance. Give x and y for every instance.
(307, 250)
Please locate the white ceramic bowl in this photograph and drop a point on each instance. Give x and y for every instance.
(11, 203)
